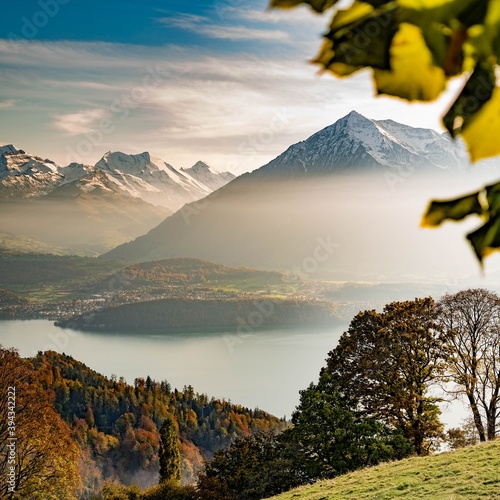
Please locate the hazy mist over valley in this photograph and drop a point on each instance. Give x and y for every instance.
(367, 227)
(343, 205)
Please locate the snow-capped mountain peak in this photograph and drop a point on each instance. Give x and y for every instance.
(355, 142)
(208, 176)
(148, 177)
(8, 149)
(129, 164)
(74, 172)
(25, 175)
(200, 166)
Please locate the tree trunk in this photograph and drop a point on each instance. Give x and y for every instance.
(491, 423)
(477, 418)
(418, 435)
(418, 442)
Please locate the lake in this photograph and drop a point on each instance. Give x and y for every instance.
(265, 369)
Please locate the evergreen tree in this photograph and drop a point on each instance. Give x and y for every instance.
(332, 437)
(251, 468)
(170, 455)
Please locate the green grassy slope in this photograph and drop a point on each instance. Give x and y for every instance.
(470, 473)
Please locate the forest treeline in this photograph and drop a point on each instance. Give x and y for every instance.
(376, 400)
(114, 427)
(28, 269)
(89, 275)
(170, 314)
(191, 271)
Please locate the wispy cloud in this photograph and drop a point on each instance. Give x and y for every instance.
(8, 103)
(80, 122)
(203, 26)
(242, 33)
(71, 55)
(80, 85)
(289, 18)
(228, 109)
(183, 21)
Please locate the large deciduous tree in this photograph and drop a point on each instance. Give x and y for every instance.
(388, 361)
(472, 320)
(413, 48)
(38, 446)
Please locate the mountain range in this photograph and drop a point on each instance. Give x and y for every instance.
(347, 198)
(91, 208)
(142, 176)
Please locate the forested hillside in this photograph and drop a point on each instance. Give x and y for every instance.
(18, 270)
(117, 424)
(10, 299)
(170, 314)
(9, 302)
(188, 271)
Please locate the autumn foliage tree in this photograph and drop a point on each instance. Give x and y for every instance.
(388, 361)
(44, 458)
(413, 48)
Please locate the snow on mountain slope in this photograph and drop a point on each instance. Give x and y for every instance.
(207, 176)
(356, 142)
(439, 149)
(9, 149)
(93, 181)
(141, 176)
(74, 172)
(155, 181)
(23, 175)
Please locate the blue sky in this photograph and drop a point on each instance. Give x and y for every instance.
(225, 81)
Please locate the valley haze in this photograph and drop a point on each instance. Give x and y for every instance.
(360, 184)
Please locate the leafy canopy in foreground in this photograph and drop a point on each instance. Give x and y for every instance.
(413, 48)
(387, 362)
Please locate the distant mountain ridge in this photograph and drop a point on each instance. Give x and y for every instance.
(204, 174)
(140, 176)
(355, 142)
(88, 209)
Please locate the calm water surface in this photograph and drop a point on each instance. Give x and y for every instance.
(266, 369)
